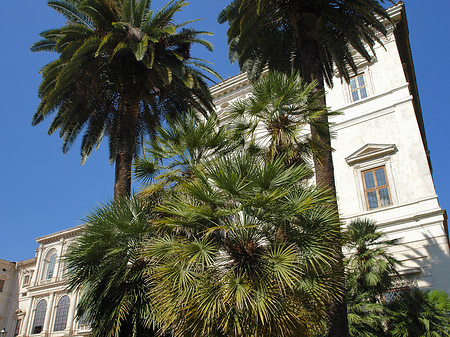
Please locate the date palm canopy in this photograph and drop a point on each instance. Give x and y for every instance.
(121, 68)
(313, 36)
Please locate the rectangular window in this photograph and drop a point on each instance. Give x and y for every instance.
(376, 188)
(358, 89)
(2, 285)
(84, 323)
(26, 280)
(394, 294)
(17, 330)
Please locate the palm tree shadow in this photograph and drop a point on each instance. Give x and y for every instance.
(426, 261)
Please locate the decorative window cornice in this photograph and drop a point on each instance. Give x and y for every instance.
(370, 151)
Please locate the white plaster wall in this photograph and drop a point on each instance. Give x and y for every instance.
(8, 274)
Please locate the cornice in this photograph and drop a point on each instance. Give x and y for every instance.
(370, 151)
(47, 286)
(395, 12)
(67, 233)
(26, 262)
(415, 217)
(230, 84)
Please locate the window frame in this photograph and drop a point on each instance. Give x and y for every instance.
(371, 156)
(18, 326)
(377, 187)
(49, 263)
(2, 285)
(26, 280)
(44, 310)
(358, 88)
(61, 313)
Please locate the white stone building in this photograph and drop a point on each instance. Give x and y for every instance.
(382, 170)
(34, 300)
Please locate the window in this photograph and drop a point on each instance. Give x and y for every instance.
(62, 310)
(17, 329)
(49, 265)
(394, 294)
(401, 285)
(2, 285)
(358, 88)
(84, 323)
(26, 280)
(39, 317)
(84, 319)
(376, 188)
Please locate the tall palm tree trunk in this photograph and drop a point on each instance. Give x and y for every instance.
(311, 69)
(125, 146)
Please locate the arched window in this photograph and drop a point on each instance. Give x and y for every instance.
(39, 317)
(62, 310)
(51, 267)
(49, 264)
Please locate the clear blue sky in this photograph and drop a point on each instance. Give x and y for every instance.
(44, 191)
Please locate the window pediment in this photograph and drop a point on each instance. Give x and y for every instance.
(370, 151)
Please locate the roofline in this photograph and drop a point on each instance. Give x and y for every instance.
(401, 33)
(26, 262)
(66, 233)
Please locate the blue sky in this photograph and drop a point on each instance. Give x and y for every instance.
(43, 190)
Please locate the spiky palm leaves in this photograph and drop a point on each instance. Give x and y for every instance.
(419, 313)
(313, 37)
(247, 251)
(121, 67)
(371, 269)
(180, 146)
(108, 271)
(276, 116)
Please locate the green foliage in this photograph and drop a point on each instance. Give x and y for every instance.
(275, 117)
(421, 314)
(281, 34)
(246, 251)
(118, 56)
(370, 267)
(180, 146)
(105, 266)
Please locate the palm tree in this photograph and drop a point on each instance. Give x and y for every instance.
(421, 314)
(106, 268)
(245, 251)
(313, 37)
(371, 271)
(275, 117)
(178, 147)
(121, 68)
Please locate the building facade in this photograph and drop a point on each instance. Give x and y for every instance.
(382, 171)
(35, 301)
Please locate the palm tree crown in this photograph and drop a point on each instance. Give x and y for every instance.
(276, 116)
(246, 251)
(121, 67)
(292, 34)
